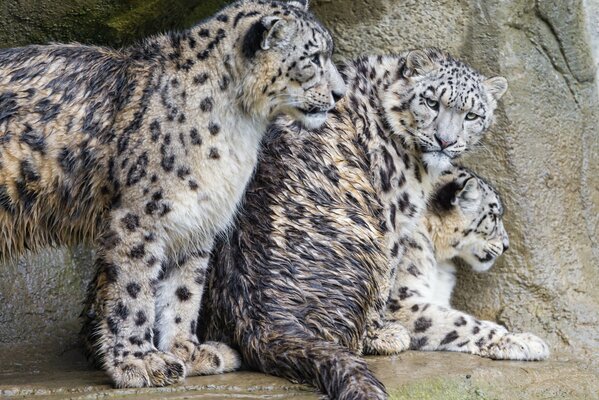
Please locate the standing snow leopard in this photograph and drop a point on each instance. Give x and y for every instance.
(307, 270)
(146, 152)
(463, 219)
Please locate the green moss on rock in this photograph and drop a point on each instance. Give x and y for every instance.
(104, 22)
(146, 17)
(440, 389)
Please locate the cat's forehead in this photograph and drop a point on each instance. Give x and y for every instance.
(458, 72)
(459, 77)
(457, 84)
(310, 28)
(491, 197)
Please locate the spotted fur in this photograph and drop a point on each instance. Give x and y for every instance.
(145, 152)
(304, 277)
(464, 220)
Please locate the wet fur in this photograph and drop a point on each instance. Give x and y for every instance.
(302, 280)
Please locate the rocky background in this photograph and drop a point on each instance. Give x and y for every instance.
(543, 153)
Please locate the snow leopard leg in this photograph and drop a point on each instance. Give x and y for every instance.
(178, 304)
(128, 261)
(434, 327)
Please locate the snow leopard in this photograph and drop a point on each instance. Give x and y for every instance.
(144, 152)
(302, 280)
(463, 224)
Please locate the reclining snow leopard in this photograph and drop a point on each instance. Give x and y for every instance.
(463, 219)
(306, 272)
(145, 152)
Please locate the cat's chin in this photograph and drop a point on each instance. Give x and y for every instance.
(313, 120)
(436, 162)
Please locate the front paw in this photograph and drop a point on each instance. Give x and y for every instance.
(391, 338)
(152, 368)
(518, 346)
(208, 358)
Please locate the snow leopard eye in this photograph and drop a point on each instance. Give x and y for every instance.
(471, 116)
(432, 104)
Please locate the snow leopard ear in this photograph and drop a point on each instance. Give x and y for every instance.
(419, 62)
(301, 4)
(497, 86)
(469, 193)
(278, 31)
(444, 199)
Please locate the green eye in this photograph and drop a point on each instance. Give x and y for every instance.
(433, 104)
(471, 116)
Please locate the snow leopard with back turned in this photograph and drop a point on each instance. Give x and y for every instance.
(145, 152)
(303, 279)
(464, 219)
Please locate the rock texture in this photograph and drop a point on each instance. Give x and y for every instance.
(543, 154)
(410, 375)
(111, 22)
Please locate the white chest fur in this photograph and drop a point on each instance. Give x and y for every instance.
(442, 284)
(222, 168)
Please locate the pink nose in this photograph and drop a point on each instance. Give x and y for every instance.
(443, 143)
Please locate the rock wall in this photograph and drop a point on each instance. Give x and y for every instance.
(543, 153)
(105, 22)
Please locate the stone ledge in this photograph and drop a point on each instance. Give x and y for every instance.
(411, 375)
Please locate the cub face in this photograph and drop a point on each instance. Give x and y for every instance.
(466, 216)
(290, 56)
(444, 105)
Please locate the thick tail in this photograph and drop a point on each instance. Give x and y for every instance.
(330, 367)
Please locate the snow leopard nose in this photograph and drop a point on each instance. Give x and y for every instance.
(443, 143)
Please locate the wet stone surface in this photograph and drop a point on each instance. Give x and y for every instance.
(411, 375)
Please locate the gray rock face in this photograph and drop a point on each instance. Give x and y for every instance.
(543, 153)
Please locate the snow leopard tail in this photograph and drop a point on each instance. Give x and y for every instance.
(332, 368)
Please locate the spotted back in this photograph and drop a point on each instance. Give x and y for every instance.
(444, 105)
(466, 220)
